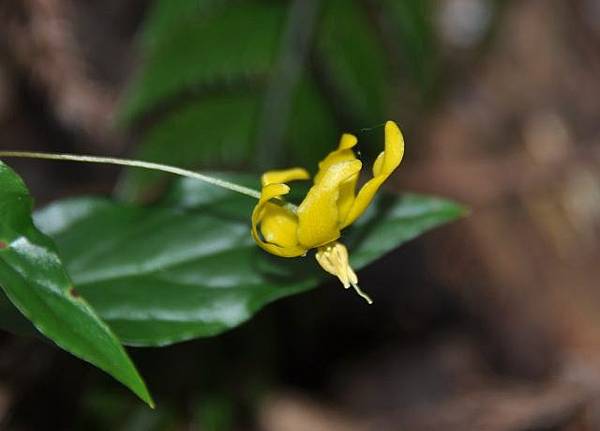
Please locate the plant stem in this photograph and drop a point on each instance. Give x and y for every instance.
(136, 164)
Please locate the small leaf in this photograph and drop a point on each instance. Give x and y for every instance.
(190, 269)
(33, 278)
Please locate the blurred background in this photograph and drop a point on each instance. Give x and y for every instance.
(492, 323)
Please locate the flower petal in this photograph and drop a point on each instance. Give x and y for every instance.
(347, 190)
(277, 225)
(342, 154)
(346, 197)
(284, 176)
(384, 165)
(318, 214)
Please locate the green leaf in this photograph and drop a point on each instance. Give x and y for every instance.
(410, 23)
(353, 60)
(219, 131)
(190, 269)
(33, 278)
(312, 129)
(205, 67)
(196, 54)
(11, 319)
(191, 46)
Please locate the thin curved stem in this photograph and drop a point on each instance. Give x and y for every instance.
(137, 164)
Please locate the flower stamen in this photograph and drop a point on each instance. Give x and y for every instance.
(333, 258)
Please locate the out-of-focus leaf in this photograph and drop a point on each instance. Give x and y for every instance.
(205, 64)
(192, 46)
(312, 129)
(163, 16)
(191, 269)
(219, 131)
(216, 412)
(410, 23)
(353, 60)
(196, 54)
(33, 278)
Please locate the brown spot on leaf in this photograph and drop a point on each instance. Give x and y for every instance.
(3, 245)
(74, 292)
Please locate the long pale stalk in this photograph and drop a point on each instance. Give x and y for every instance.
(137, 164)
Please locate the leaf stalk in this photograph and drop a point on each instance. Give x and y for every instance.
(136, 164)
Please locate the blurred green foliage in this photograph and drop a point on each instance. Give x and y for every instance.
(230, 84)
(204, 94)
(161, 275)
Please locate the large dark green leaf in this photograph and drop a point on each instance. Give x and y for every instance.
(190, 269)
(288, 71)
(191, 46)
(205, 68)
(33, 278)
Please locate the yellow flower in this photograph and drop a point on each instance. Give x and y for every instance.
(329, 206)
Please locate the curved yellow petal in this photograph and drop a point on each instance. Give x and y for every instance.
(343, 153)
(284, 175)
(318, 214)
(384, 165)
(277, 225)
(347, 190)
(347, 197)
(393, 151)
(268, 192)
(347, 141)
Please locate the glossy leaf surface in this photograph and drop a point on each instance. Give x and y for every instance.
(33, 277)
(190, 269)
